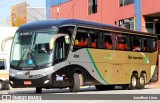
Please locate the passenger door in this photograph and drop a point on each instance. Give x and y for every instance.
(61, 50)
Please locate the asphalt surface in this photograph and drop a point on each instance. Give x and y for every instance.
(83, 91)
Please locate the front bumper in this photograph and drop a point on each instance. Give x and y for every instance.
(39, 82)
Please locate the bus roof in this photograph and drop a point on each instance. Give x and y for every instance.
(48, 24)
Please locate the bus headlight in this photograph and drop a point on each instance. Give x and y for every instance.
(11, 82)
(47, 81)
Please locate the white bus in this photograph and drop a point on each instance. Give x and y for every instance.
(72, 53)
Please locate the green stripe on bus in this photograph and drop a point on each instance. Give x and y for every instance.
(96, 67)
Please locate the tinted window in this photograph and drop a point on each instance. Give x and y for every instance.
(145, 45)
(2, 65)
(61, 50)
(82, 39)
(97, 39)
(94, 39)
(108, 40)
(122, 42)
(136, 44)
(153, 44)
(66, 30)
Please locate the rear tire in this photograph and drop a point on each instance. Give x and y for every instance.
(1, 85)
(133, 82)
(75, 83)
(38, 90)
(141, 82)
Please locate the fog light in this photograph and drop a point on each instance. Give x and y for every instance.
(47, 81)
(11, 82)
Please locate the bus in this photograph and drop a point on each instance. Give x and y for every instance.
(64, 53)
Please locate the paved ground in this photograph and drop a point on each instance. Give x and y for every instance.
(87, 90)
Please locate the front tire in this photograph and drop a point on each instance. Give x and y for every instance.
(38, 90)
(141, 82)
(75, 83)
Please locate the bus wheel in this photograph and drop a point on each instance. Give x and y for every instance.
(75, 83)
(133, 82)
(141, 82)
(81, 79)
(38, 90)
(1, 85)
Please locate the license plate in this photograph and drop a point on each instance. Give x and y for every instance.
(27, 82)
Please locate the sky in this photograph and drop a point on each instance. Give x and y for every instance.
(5, 6)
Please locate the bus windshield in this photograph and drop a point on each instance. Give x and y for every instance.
(31, 49)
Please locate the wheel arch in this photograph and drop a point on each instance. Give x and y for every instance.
(133, 72)
(145, 74)
(77, 69)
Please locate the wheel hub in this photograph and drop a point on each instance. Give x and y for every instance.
(134, 82)
(142, 81)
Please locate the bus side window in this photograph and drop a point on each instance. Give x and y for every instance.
(93, 43)
(93, 40)
(153, 44)
(122, 44)
(83, 42)
(96, 39)
(108, 41)
(145, 45)
(81, 39)
(66, 30)
(136, 44)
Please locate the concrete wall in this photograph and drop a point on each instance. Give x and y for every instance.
(50, 3)
(150, 7)
(108, 11)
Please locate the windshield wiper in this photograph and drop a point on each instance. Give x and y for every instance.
(21, 59)
(30, 54)
(35, 63)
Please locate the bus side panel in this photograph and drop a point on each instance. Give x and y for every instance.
(84, 58)
(135, 62)
(116, 67)
(63, 76)
(104, 63)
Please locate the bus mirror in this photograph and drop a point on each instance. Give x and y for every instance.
(55, 37)
(67, 39)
